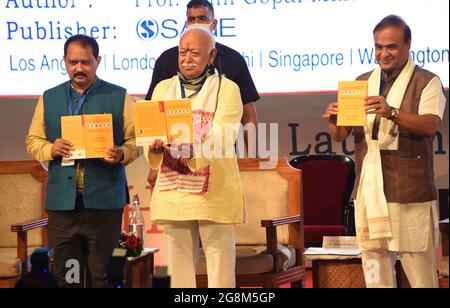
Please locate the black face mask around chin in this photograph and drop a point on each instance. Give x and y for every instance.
(196, 83)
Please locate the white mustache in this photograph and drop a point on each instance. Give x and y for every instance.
(189, 65)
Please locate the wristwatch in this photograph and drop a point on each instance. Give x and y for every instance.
(394, 113)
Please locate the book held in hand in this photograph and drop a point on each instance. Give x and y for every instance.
(351, 95)
(91, 134)
(165, 120)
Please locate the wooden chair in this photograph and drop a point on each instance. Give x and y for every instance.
(22, 195)
(270, 246)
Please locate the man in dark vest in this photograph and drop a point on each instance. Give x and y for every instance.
(84, 200)
(396, 214)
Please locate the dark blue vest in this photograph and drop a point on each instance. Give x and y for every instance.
(105, 185)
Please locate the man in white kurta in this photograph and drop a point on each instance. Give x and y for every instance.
(200, 196)
(396, 195)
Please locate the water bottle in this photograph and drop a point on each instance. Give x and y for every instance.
(136, 220)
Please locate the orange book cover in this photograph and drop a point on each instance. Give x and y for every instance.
(166, 120)
(72, 130)
(351, 95)
(91, 134)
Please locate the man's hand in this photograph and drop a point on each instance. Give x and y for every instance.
(331, 113)
(339, 133)
(377, 105)
(157, 147)
(183, 151)
(152, 176)
(115, 154)
(61, 148)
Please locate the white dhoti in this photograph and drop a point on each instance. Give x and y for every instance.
(182, 252)
(413, 242)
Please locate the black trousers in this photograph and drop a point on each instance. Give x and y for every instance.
(83, 238)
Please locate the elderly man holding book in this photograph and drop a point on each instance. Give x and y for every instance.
(198, 194)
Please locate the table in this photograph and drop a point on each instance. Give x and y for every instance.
(346, 272)
(138, 271)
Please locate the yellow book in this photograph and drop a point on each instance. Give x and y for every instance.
(91, 134)
(351, 95)
(165, 120)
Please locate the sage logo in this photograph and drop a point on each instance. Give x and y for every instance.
(147, 29)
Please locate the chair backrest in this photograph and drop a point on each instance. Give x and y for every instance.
(269, 194)
(327, 187)
(22, 194)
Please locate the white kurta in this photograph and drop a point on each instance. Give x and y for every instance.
(224, 202)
